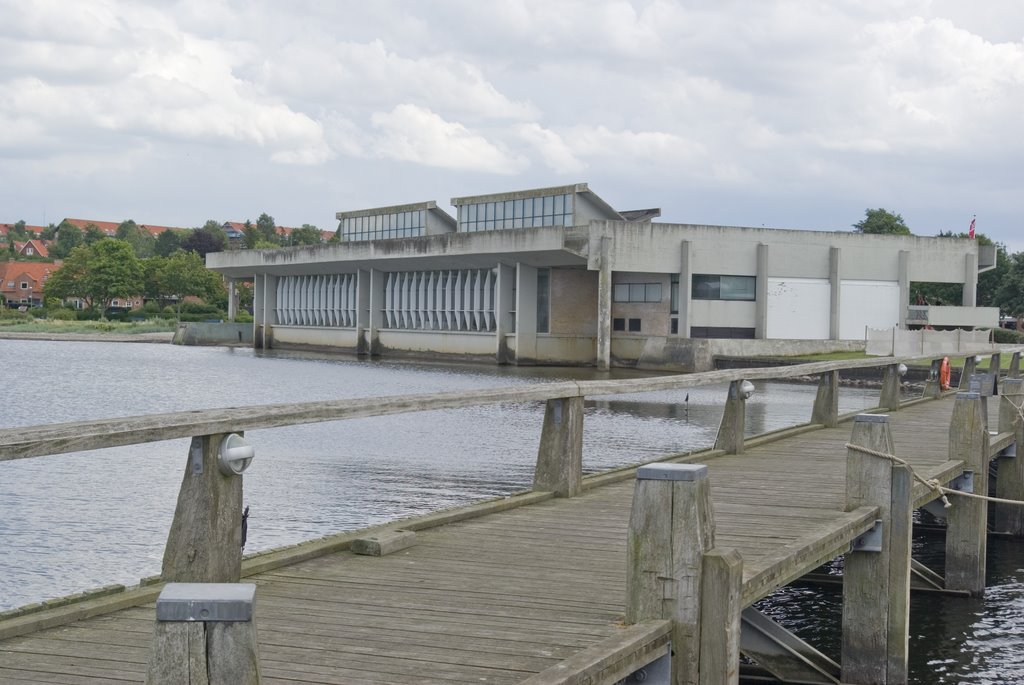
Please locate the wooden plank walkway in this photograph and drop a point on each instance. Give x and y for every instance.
(498, 598)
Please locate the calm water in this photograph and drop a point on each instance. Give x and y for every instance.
(78, 521)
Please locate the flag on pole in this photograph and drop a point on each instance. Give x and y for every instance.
(970, 231)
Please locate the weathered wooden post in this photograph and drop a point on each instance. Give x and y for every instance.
(970, 368)
(205, 634)
(826, 402)
(890, 396)
(205, 541)
(967, 519)
(932, 386)
(721, 607)
(1010, 466)
(560, 455)
(730, 431)
(1014, 370)
(876, 573)
(671, 527)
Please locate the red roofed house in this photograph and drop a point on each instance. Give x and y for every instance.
(32, 248)
(22, 282)
(5, 229)
(107, 228)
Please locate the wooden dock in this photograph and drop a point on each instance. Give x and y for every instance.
(530, 589)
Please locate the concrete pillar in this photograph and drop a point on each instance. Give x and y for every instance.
(890, 396)
(526, 314)
(232, 299)
(826, 403)
(204, 544)
(904, 282)
(205, 634)
(259, 312)
(730, 431)
(503, 307)
(685, 290)
(560, 456)
(375, 311)
(363, 287)
(671, 527)
(1010, 468)
(269, 311)
(761, 292)
(970, 298)
(876, 584)
(835, 282)
(967, 519)
(604, 305)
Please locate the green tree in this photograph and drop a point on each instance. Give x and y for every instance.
(70, 280)
(1009, 296)
(98, 274)
(307, 235)
(48, 233)
(68, 238)
(18, 231)
(183, 274)
(142, 242)
(881, 221)
(250, 235)
(203, 241)
(93, 234)
(267, 228)
(167, 243)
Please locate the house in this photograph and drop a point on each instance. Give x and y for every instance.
(559, 276)
(21, 283)
(5, 230)
(107, 228)
(32, 248)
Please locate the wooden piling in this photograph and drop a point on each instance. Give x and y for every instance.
(1009, 518)
(1014, 370)
(932, 386)
(671, 526)
(560, 455)
(890, 396)
(205, 541)
(967, 519)
(970, 368)
(876, 584)
(826, 402)
(730, 431)
(720, 609)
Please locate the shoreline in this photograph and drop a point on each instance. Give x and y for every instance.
(162, 337)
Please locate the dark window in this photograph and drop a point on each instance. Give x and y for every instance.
(675, 326)
(618, 324)
(721, 332)
(543, 300)
(634, 325)
(636, 292)
(714, 287)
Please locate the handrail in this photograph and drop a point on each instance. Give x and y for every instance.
(35, 441)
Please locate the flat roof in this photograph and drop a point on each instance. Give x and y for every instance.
(392, 209)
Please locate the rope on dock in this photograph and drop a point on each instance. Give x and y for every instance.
(932, 483)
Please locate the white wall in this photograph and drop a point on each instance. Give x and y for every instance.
(867, 303)
(798, 308)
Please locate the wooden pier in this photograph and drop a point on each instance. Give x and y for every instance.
(583, 580)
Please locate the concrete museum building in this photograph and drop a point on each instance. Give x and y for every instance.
(558, 276)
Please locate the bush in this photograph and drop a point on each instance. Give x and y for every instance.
(61, 314)
(12, 316)
(151, 307)
(243, 317)
(87, 315)
(1005, 336)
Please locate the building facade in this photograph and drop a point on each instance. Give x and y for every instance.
(557, 276)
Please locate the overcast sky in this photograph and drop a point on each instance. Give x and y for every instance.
(789, 114)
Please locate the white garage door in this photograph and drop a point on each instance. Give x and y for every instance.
(798, 308)
(867, 303)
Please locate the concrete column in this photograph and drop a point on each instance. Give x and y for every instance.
(730, 431)
(376, 311)
(604, 306)
(967, 519)
(363, 289)
(1010, 468)
(835, 282)
(204, 544)
(232, 299)
(671, 527)
(904, 281)
(560, 456)
(970, 298)
(526, 314)
(205, 633)
(269, 310)
(826, 403)
(503, 307)
(259, 315)
(761, 292)
(876, 584)
(685, 290)
(890, 396)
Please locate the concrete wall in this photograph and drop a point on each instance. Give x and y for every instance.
(654, 316)
(202, 333)
(315, 336)
(442, 342)
(566, 349)
(723, 313)
(873, 304)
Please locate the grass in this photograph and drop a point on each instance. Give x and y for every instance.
(116, 327)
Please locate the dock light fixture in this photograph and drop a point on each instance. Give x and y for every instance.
(902, 370)
(977, 359)
(235, 455)
(746, 390)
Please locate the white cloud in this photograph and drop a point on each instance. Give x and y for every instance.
(556, 153)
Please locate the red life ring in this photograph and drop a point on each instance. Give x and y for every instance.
(944, 374)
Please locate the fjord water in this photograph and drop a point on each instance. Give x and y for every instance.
(78, 521)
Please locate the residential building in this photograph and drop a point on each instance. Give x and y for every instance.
(21, 283)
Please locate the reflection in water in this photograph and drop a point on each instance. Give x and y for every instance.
(79, 521)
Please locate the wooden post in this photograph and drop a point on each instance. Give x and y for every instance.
(730, 431)
(826, 403)
(890, 396)
(970, 368)
(967, 519)
(560, 455)
(932, 387)
(720, 609)
(1014, 370)
(204, 635)
(1010, 469)
(671, 526)
(994, 363)
(205, 541)
(876, 584)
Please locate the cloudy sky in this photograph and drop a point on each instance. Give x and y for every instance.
(777, 113)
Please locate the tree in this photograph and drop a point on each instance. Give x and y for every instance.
(167, 243)
(48, 233)
(18, 232)
(98, 274)
(250, 235)
(68, 238)
(183, 274)
(307, 235)
(267, 229)
(142, 242)
(1009, 296)
(93, 234)
(881, 221)
(203, 241)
